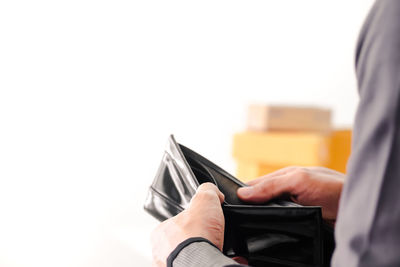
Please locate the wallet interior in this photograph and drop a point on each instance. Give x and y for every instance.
(205, 172)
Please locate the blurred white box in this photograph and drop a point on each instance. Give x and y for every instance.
(288, 118)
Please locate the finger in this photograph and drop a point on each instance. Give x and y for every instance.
(267, 189)
(279, 172)
(325, 170)
(208, 191)
(209, 186)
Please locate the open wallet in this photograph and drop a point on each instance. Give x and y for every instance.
(276, 233)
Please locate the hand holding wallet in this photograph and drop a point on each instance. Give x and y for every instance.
(277, 233)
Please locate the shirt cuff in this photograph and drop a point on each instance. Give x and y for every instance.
(198, 251)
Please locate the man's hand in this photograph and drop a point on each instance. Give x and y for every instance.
(203, 218)
(311, 186)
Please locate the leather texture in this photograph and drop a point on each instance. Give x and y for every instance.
(277, 233)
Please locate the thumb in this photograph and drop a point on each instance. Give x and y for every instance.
(207, 192)
(265, 190)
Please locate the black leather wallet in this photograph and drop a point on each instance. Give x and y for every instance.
(277, 233)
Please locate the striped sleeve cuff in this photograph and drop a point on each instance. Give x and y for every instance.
(198, 251)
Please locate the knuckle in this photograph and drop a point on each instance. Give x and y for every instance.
(301, 174)
(216, 226)
(291, 168)
(206, 186)
(205, 195)
(265, 188)
(273, 188)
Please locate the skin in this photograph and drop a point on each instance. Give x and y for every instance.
(311, 186)
(203, 218)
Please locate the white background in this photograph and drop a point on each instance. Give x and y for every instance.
(90, 91)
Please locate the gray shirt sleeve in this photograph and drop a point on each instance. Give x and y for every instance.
(197, 251)
(368, 226)
(202, 254)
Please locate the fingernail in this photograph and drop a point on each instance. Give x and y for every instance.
(245, 191)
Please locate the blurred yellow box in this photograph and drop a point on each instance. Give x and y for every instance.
(282, 148)
(247, 171)
(257, 153)
(340, 149)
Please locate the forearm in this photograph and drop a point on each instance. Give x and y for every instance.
(197, 252)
